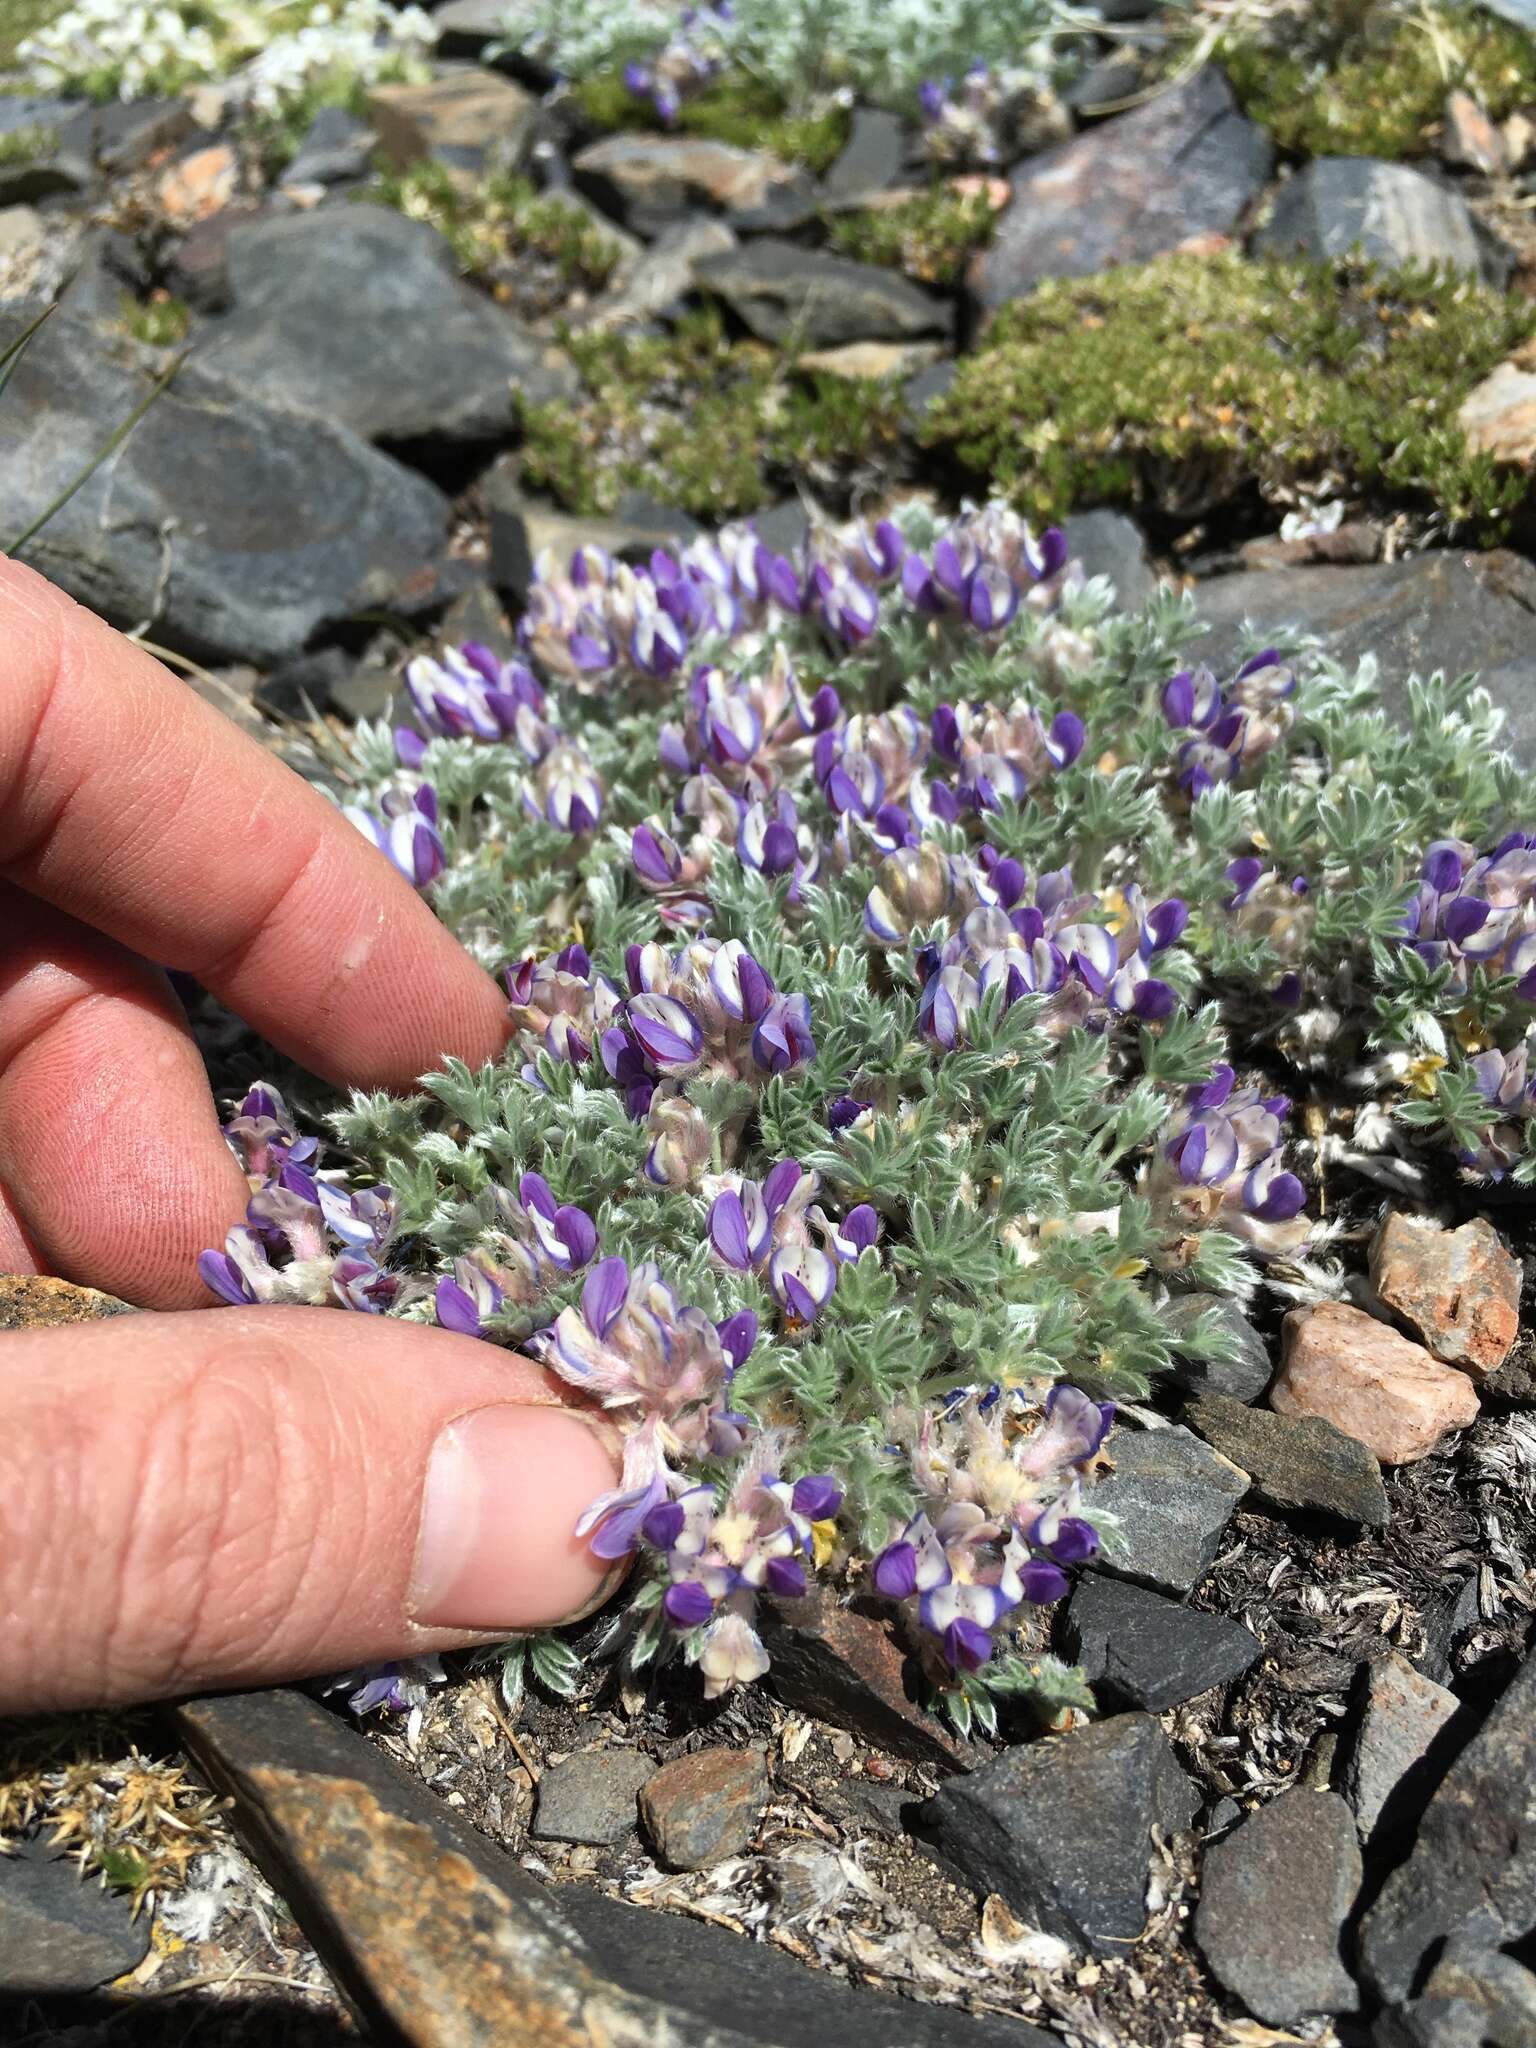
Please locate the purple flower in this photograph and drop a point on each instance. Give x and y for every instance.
(738, 1334)
(966, 1645)
(669, 1034)
(1043, 1582)
(818, 1497)
(602, 1298)
(686, 1604)
(894, 1571)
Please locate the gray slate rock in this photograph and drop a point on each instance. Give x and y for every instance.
(36, 170)
(336, 146)
(59, 1932)
(1187, 163)
(650, 286)
(1401, 1713)
(1139, 1649)
(1390, 214)
(1471, 1874)
(1241, 1377)
(1443, 610)
(591, 1797)
(119, 136)
(1477, 1998)
(650, 181)
(467, 27)
(1274, 1897)
(358, 315)
(235, 529)
(1061, 1829)
(781, 290)
(1174, 1497)
(870, 160)
(436, 1934)
(1108, 544)
(1305, 1464)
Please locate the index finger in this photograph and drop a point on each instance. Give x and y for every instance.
(135, 807)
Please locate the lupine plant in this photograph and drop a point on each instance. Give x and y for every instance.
(804, 50)
(906, 956)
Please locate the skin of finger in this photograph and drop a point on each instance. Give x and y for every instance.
(132, 805)
(231, 1498)
(18, 1254)
(109, 1140)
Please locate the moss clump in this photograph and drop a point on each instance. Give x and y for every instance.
(738, 109)
(931, 235)
(1192, 381)
(708, 424)
(1346, 79)
(504, 231)
(161, 321)
(25, 145)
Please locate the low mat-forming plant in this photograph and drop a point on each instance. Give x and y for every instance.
(1193, 380)
(904, 952)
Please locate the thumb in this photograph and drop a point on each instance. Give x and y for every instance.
(227, 1497)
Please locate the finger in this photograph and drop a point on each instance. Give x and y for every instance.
(109, 1141)
(131, 804)
(239, 1496)
(18, 1254)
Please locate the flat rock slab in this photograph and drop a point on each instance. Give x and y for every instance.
(1401, 1713)
(34, 1301)
(1186, 164)
(851, 1669)
(784, 292)
(440, 1939)
(1443, 610)
(1305, 1464)
(234, 529)
(1470, 1876)
(1242, 1374)
(358, 315)
(471, 121)
(590, 1797)
(650, 181)
(1108, 543)
(1460, 1289)
(60, 1932)
(1139, 1649)
(1274, 1897)
(1174, 1497)
(704, 1807)
(1343, 1366)
(1475, 1998)
(1391, 215)
(1061, 1829)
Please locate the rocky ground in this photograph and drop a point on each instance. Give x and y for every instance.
(1303, 1811)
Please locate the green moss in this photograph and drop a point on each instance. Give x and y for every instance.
(1191, 381)
(931, 235)
(159, 322)
(736, 109)
(1349, 79)
(710, 425)
(23, 145)
(500, 220)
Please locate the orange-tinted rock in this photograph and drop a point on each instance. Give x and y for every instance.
(200, 185)
(35, 1301)
(1367, 1380)
(1460, 1289)
(1469, 137)
(704, 1807)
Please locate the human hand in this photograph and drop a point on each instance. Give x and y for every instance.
(234, 1496)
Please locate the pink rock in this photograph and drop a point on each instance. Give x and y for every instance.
(1376, 1386)
(1460, 1289)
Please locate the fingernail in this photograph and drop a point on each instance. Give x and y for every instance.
(504, 1489)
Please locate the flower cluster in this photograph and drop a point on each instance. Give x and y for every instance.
(766, 1227)
(305, 1238)
(1230, 726)
(1473, 912)
(405, 830)
(274, 50)
(719, 1557)
(687, 61)
(998, 1519)
(1222, 1161)
(534, 1242)
(597, 619)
